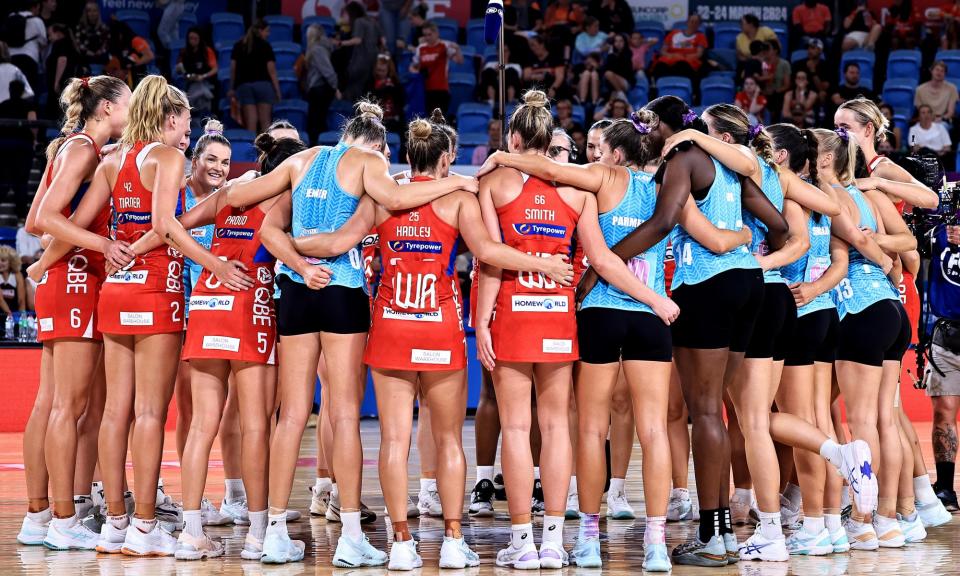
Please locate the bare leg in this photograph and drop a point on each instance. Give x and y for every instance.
(116, 426)
(622, 428)
(678, 432)
(184, 399)
(446, 394)
(396, 391)
(513, 383)
(35, 468)
(552, 381)
(209, 389)
(88, 429)
(487, 422)
(650, 391)
(255, 402)
(595, 385)
(888, 474)
(229, 433)
(426, 447)
(796, 397)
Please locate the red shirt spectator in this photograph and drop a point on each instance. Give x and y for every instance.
(812, 18)
(679, 45)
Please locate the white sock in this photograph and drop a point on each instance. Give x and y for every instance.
(193, 523)
(682, 493)
(743, 495)
(351, 525)
(65, 523)
(813, 525)
(616, 486)
(832, 522)
(573, 485)
(770, 525)
(335, 494)
(41, 517)
(427, 483)
(321, 484)
(235, 490)
(831, 451)
(521, 534)
(923, 489)
(656, 531)
(258, 524)
(119, 522)
(792, 493)
(484, 473)
(145, 526)
(277, 524)
(536, 472)
(883, 522)
(553, 529)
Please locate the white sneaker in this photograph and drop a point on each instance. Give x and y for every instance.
(280, 549)
(454, 553)
(618, 508)
(525, 558)
(759, 547)
(553, 556)
(857, 469)
(789, 516)
(428, 502)
(168, 513)
(210, 516)
(111, 539)
(69, 534)
(572, 511)
(412, 510)
(293, 515)
(197, 548)
(802, 543)
(888, 532)
(933, 514)
(861, 535)
(354, 554)
(319, 498)
(403, 556)
(252, 548)
(913, 531)
(740, 510)
(32, 533)
(680, 507)
(237, 511)
(839, 540)
(158, 542)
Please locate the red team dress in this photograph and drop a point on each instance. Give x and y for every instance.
(235, 325)
(66, 298)
(535, 319)
(146, 297)
(417, 316)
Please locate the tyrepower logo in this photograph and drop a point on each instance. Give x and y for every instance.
(134, 218)
(415, 246)
(540, 229)
(222, 303)
(235, 233)
(128, 277)
(522, 303)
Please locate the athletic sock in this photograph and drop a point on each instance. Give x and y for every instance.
(682, 493)
(521, 534)
(743, 495)
(656, 532)
(616, 485)
(235, 490)
(276, 524)
(193, 523)
(145, 526)
(41, 517)
(884, 524)
(945, 472)
(832, 522)
(119, 522)
(770, 525)
(726, 525)
(792, 493)
(831, 451)
(484, 473)
(923, 490)
(589, 526)
(351, 525)
(321, 484)
(813, 525)
(572, 489)
(553, 529)
(427, 483)
(709, 524)
(258, 524)
(65, 523)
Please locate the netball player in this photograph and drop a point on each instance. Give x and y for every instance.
(326, 184)
(71, 371)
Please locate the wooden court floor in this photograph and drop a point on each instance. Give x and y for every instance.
(940, 554)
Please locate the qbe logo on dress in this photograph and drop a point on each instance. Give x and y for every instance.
(540, 229)
(221, 343)
(391, 314)
(418, 356)
(552, 346)
(136, 318)
(524, 303)
(128, 277)
(224, 303)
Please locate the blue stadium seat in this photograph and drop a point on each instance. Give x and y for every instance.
(227, 28)
(138, 20)
(187, 21)
(682, 25)
(175, 47)
(465, 155)
(328, 138)
(578, 113)
(475, 35)
(473, 117)
(235, 135)
(393, 143)
(223, 57)
(949, 56)
(725, 56)
(725, 35)
(289, 85)
(716, 90)
(904, 64)
(678, 86)
(293, 110)
(468, 66)
(865, 59)
(639, 95)
(281, 28)
(651, 29)
(228, 121)
(474, 138)
(328, 23)
(243, 151)
(798, 55)
(339, 112)
(223, 77)
(899, 95)
(461, 90)
(449, 28)
(903, 123)
(286, 54)
(728, 74)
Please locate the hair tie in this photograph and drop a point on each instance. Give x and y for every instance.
(213, 132)
(842, 133)
(642, 127)
(85, 81)
(689, 116)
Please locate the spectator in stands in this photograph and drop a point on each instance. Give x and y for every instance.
(10, 74)
(752, 100)
(562, 21)
(92, 36)
(901, 25)
(850, 88)
(63, 63)
(16, 144)
(951, 16)
(615, 16)
(48, 10)
(812, 19)
(588, 87)
(894, 134)
(816, 68)
(682, 53)
(579, 136)
(322, 84)
(860, 29)
(365, 40)
(614, 109)
(590, 40)
(129, 54)
(751, 30)
(522, 16)
(388, 91)
(618, 66)
(395, 23)
(927, 133)
(432, 61)
(27, 55)
(802, 95)
(253, 77)
(494, 133)
(28, 246)
(12, 292)
(490, 82)
(639, 48)
(774, 78)
(938, 94)
(168, 30)
(197, 62)
(546, 70)
(564, 112)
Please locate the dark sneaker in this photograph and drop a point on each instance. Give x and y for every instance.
(537, 506)
(481, 499)
(949, 499)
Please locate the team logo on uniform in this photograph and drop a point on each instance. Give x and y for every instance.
(211, 303)
(391, 314)
(950, 265)
(318, 193)
(221, 343)
(136, 318)
(415, 246)
(418, 356)
(540, 229)
(235, 233)
(370, 240)
(553, 346)
(264, 275)
(128, 277)
(134, 218)
(525, 303)
(198, 232)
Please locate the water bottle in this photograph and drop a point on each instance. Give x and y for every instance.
(32, 328)
(8, 328)
(23, 329)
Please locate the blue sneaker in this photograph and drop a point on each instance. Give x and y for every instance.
(839, 541)
(802, 543)
(280, 549)
(586, 553)
(353, 554)
(32, 533)
(656, 559)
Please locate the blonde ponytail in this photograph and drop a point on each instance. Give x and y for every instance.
(152, 101)
(79, 101)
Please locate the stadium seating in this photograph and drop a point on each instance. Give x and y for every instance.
(295, 111)
(235, 135)
(903, 64)
(899, 95)
(286, 54)
(651, 29)
(475, 35)
(725, 35)
(678, 86)
(187, 21)
(449, 28)
(329, 138)
(174, 53)
(716, 90)
(243, 151)
(339, 112)
(473, 117)
(462, 87)
(138, 20)
(328, 23)
(281, 28)
(289, 84)
(865, 59)
(227, 28)
(783, 35)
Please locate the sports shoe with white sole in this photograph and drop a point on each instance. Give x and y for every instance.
(500, 490)
(280, 549)
(656, 559)
(537, 504)
(586, 553)
(454, 553)
(861, 535)
(70, 534)
(168, 513)
(696, 553)
(740, 510)
(237, 511)
(367, 516)
(618, 507)
(319, 498)
(481, 500)
(32, 533)
(933, 514)
(789, 516)
(111, 538)
(839, 540)
(572, 511)
(553, 556)
(157, 542)
(759, 547)
(732, 547)
(802, 543)
(210, 516)
(888, 533)
(913, 530)
(354, 554)
(524, 558)
(680, 507)
(197, 548)
(857, 469)
(403, 556)
(428, 503)
(252, 548)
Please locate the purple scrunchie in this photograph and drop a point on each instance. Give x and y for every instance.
(842, 133)
(755, 130)
(688, 117)
(642, 127)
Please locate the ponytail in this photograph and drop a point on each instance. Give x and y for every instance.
(79, 101)
(152, 101)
